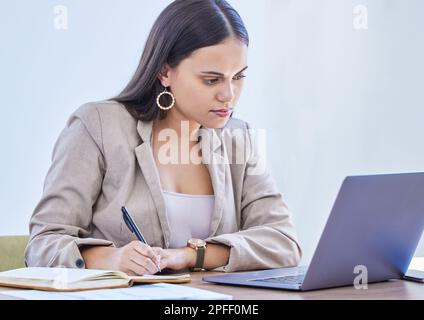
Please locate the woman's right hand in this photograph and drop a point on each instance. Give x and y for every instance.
(135, 259)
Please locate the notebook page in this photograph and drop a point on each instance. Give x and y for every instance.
(159, 291)
(159, 277)
(64, 275)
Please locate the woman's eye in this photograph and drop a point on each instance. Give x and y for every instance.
(213, 81)
(239, 77)
(210, 82)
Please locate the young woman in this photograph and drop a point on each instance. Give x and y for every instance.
(193, 214)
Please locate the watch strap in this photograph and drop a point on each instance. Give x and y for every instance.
(200, 259)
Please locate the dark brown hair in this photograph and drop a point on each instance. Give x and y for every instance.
(182, 27)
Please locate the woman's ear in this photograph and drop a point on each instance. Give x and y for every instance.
(164, 76)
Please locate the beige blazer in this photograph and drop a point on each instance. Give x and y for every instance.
(103, 160)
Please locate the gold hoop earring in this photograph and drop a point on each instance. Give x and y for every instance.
(160, 95)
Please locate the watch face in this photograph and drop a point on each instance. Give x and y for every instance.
(197, 242)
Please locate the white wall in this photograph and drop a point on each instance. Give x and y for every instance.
(335, 100)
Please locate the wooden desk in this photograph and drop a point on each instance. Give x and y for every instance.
(394, 289)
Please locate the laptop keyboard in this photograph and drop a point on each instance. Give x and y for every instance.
(284, 279)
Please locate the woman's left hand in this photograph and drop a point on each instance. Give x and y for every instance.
(176, 259)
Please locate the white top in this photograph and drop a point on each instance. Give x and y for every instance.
(189, 216)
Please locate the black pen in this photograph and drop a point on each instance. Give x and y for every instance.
(134, 229)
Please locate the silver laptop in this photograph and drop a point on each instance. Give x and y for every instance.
(373, 229)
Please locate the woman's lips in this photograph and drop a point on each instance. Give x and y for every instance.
(223, 113)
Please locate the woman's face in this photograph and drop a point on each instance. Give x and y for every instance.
(210, 79)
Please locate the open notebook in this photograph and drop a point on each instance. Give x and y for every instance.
(67, 280)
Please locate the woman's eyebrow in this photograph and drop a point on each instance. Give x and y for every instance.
(221, 74)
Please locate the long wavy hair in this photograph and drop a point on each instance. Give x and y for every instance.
(182, 27)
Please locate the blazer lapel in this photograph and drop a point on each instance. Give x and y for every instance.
(148, 167)
(213, 158)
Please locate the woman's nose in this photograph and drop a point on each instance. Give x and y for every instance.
(226, 95)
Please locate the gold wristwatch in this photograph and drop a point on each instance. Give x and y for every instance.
(200, 247)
